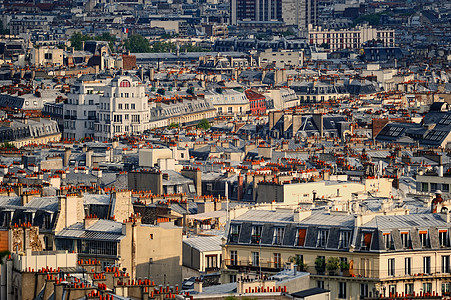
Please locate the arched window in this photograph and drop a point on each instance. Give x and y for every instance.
(125, 83)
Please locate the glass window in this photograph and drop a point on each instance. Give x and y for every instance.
(407, 265)
(255, 258)
(277, 260)
(366, 240)
(424, 238)
(363, 290)
(405, 239)
(445, 289)
(443, 237)
(256, 234)
(278, 235)
(445, 263)
(391, 267)
(427, 264)
(342, 290)
(433, 186)
(323, 236)
(388, 241)
(427, 287)
(408, 289)
(233, 258)
(234, 233)
(392, 289)
(345, 237)
(301, 236)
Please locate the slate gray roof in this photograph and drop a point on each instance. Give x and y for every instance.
(336, 224)
(44, 203)
(406, 221)
(103, 230)
(205, 243)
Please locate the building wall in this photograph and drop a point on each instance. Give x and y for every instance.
(149, 157)
(123, 109)
(162, 243)
(281, 59)
(143, 181)
(47, 56)
(353, 38)
(360, 260)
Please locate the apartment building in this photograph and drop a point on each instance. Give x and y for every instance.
(354, 38)
(434, 181)
(46, 56)
(228, 101)
(139, 248)
(123, 109)
(354, 255)
(80, 108)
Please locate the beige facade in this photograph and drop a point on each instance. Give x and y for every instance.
(380, 253)
(350, 38)
(47, 56)
(152, 251)
(282, 59)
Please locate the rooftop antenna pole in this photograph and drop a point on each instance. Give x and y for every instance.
(227, 202)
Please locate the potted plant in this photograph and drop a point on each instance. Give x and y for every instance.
(333, 263)
(344, 268)
(320, 265)
(300, 265)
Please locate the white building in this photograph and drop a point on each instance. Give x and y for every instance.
(123, 109)
(350, 38)
(282, 59)
(80, 109)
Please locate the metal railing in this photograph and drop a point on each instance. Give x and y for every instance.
(230, 263)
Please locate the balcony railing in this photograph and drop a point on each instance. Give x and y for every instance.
(264, 264)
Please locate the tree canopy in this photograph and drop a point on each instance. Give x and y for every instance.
(204, 124)
(77, 39)
(137, 44)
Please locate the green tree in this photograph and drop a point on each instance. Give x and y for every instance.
(107, 37)
(137, 44)
(204, 124)
(163, 47)
(297, 260)
(3, 254)
(173, 125)
(8, 145)
(3, 31)
(190, 91)
(372, 19)
(333, 263)
(320, 264)
(77, 39)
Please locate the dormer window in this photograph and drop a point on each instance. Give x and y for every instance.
(28, 218)
(234, 233)
(323, 236)
(256, 234)
(47, 221)
(366, 240)
(405, 240)
(6, 218)
(301, 236)
(443, 237)
(278, 235)
(388, 241)
(424, 238)
(345, 237)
